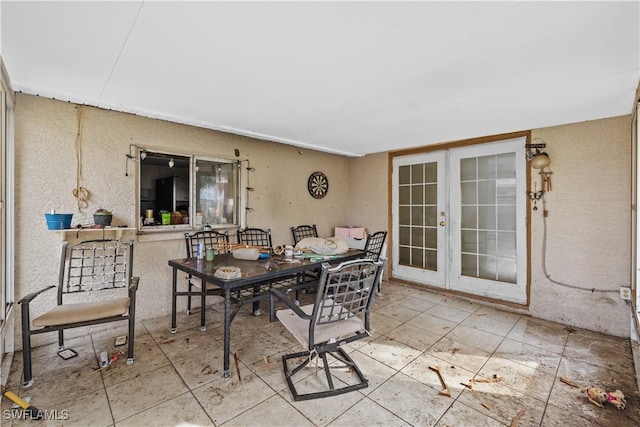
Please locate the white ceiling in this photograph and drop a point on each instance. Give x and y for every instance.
(344, 77)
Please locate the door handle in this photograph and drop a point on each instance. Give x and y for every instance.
(442, 223)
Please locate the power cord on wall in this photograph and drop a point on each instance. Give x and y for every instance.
(544, 262)
(80, 193)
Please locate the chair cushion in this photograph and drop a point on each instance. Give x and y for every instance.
(82, 312)
(322, 333)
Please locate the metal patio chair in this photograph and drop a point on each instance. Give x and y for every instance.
(373, 249)
(219, 242)
(95, 286)
(340, 315)
(303, 231)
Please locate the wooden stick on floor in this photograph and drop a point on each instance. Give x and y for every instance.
(445, 391)
(235, 357)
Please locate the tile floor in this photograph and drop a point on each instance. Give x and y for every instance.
(177, 378)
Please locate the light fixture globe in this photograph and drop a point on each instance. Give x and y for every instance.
(540, 161)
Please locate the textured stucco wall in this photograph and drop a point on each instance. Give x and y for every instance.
(589, 231)
(588, 241)
(588, 228)
(46, 167)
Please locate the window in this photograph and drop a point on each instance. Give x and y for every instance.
(185, 192)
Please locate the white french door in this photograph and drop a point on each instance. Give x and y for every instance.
(459, 219)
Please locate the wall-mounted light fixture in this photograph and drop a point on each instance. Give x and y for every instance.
(143, 155)
(171, 163)
(539, 159)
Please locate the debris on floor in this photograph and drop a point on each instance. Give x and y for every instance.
(445, 391)
(494, 379)
(516, 419)
(33, 412)
(598, 396)
(567, 381)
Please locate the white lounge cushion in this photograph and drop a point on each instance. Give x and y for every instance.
(324, 245)
(82, 312)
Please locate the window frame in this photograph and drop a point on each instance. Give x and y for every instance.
(192, 160)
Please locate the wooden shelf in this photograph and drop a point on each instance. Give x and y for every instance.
(119, 231)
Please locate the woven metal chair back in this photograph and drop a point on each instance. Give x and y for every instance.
(346, 291)
(216, 240)
(95, 265)
(303, 231)
(255, 237)
(375, 243)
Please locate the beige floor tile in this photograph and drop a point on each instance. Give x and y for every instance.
(459, 354)
(201, 368)
(475, 338)
(148, 357)
(390, 352)
(226, 398)
(382, 324)
(483, 322)
(181, 410)
(414, 336)
(414, 402)
(433, 324)
(502, 403)
(144, 391)
(416, 304)
(527, 380)
(273, 412)
(51, 365)
(367, 413)
(596, 348)
(587, 375)
(558, 417)
(461, 415)
(433, 296)
(49, 390)
(453, 375)
(52, 347)
(460, 303)
(255, 348)
(529, 355)
(445, 311)
(399, 311)
(74, 412)
(498, 314)
(374, 371)
(185, 344)
(541, 333)
(413, 329)
(323, 411)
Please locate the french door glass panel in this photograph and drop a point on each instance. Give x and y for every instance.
(419, 202)
(461, 219)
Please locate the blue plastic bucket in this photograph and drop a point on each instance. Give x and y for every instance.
(58, 221)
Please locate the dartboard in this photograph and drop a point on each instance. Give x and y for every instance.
(318, 185)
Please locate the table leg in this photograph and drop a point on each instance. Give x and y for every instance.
(203, 298)
(227, 332)
(174, 288)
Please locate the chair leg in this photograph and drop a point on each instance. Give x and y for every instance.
(203, 307)
(174, 290)
(27, 376)
(190, 288)
(61, 339)
(340, 355)
(132, 334)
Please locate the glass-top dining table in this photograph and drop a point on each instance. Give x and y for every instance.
(256, 278)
